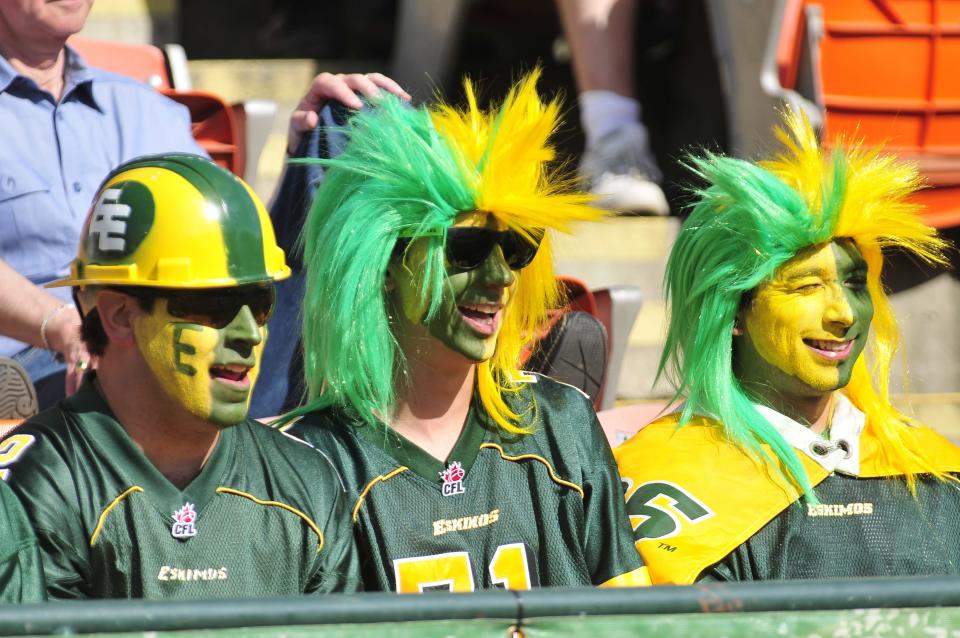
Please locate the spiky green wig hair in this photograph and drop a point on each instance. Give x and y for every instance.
(408, 172)
(748, 222)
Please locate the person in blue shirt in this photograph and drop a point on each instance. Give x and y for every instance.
(63, 127)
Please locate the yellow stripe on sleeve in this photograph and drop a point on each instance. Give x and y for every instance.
(306, 519)
(103, 515)
(534, 457)
(369, 486)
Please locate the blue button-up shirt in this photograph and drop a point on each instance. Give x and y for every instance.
(54, 156)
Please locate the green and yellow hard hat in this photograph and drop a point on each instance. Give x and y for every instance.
(176, 221)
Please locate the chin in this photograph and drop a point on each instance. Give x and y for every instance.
(229, 419)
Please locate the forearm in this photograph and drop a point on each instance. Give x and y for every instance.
(23, 306)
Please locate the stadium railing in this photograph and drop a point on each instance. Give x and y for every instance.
(911, 606)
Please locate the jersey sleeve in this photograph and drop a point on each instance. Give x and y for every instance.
(37, 474)
(735, 567)
(21, 572)
(609, 548)
(336, 566)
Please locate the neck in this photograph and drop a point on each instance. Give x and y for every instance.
(40, 59)
(433, 406)
(177, 442)
(814, 412)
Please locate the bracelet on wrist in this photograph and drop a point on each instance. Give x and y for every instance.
(46, 320)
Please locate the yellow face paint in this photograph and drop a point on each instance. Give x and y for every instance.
(804, 329)
(211, 372)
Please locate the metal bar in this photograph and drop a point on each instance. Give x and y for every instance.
(98, 616)
(78, 617)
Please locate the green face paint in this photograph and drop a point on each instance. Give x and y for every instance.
(805, 329)
(210, 372)
(471, 308)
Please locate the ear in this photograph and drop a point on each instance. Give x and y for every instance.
(117, 312)
(388, 283)
(738, 324)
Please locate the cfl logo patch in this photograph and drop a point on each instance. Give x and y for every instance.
(184, 522)
(109, 221)
(453, 479)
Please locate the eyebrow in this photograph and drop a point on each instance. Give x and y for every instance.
(813, 271)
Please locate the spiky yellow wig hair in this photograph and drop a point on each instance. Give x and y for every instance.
(408, 173)
(748, 222)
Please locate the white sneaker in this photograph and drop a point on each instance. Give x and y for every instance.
(620, 170)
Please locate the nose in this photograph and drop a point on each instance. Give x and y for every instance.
(838, 312)
(494, 272)
(243, 334)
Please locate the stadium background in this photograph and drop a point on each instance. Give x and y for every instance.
(698, 69)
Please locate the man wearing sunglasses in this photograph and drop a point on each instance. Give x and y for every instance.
(428, 273)
(150, 481)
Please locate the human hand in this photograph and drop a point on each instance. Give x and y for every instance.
(62, 333)
(342, 87)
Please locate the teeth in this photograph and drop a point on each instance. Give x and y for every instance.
(485, 308)
(234, 367)
(830, 346)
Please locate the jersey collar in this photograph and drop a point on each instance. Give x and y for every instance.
(420, 462)
(841, 452)
(106, 433)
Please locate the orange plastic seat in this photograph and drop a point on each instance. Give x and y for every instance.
(886, 71)
(216, 126)
(142, 62)
(8, 425)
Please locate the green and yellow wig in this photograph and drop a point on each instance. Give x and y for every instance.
(751, 219)
(408, 172)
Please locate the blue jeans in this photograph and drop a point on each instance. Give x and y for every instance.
(48, 375)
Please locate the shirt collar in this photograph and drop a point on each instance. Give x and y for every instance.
(841, 452)
(7, 74)
(78, 78)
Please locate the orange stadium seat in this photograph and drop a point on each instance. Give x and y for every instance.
(883, 70)
(8, 425)
(142, 62)
(217, 126)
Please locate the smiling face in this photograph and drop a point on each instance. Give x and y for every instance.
(805, 329)
(210, 372)
(468, 320)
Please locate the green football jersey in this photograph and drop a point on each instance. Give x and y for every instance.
(21, 574)
(515, 511)
(267, 515)
(862, 527)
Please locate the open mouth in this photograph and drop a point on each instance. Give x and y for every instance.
(483, 318)
(233, 374)
(830, 349)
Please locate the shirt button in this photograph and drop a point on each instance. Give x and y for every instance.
(77, 187)
(9, 183)
(60, 115)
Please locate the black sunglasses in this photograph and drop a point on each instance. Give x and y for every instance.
(215, 307)
(467, 247)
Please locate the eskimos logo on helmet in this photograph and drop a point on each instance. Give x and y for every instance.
(115, 231)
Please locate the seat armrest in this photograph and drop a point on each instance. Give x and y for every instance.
(617, 308)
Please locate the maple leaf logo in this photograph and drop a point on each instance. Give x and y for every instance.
(186, 514)
(453, 473)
